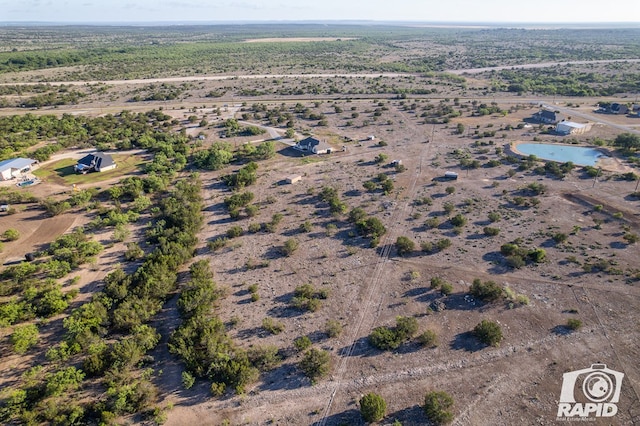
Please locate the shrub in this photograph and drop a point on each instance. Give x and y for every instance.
(24, 337)
(315, 364)
(218, 389)
(428, 339)
(426, 246)
(216, 244)
(488, 332)
(574, 324)
(11, 234)
(432, 222)
(272, 326)
(458, 220)
(234, 231)
(450, 190)
(491, 232)
(306, 297)
(559, 237)
(302, 343)
(488, 291)
(264, 358)
(372, 407)
(306, 226)
(446, 289)
(631, 238)
(386, 338)
(254, 227)
(436, 282)
(404, 245)
(133, 252)
(443, 244)
(290, 246)
(187, 380)
(333, 328)
(436, 407)
(515, 261)
(449, 207)
(494, 217)
(537, 255)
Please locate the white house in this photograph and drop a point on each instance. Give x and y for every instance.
(313, 145)
(16, 167)
(571, 128)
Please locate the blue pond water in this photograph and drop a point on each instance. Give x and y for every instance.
(576, 154)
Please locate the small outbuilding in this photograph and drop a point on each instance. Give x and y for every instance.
(293, 179)
(451, 175)
(98, 162)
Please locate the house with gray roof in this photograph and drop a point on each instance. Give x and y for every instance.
(546, 116)
(314, 146)
(97, 161)
(15, 168)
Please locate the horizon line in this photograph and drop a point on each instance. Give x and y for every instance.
(321, 21)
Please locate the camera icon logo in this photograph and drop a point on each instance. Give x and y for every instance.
(592, 391)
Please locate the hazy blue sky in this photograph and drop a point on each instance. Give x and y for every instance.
(405, 10)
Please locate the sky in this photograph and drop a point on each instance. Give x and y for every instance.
(113, 11)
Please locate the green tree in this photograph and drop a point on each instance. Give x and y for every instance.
(574, 323)
(290, 246)
(428, 339)
(333, 328)
(315, 364)
(24, 337)
(488, 291)
(488, 332)
(302, 343)
(11, 234)
(372, 407)
(404, 245)
(437, 405)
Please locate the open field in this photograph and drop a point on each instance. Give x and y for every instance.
(561, 245)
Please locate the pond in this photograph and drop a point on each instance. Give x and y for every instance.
(578, 155)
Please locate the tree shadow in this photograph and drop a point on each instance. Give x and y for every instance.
(618, 245)
(466, 341)
(561, 330)
(416, 292)
(285, 377)
(477, 237)
(360, 348)
(410, 416)
(349, 417)
(462, 302)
